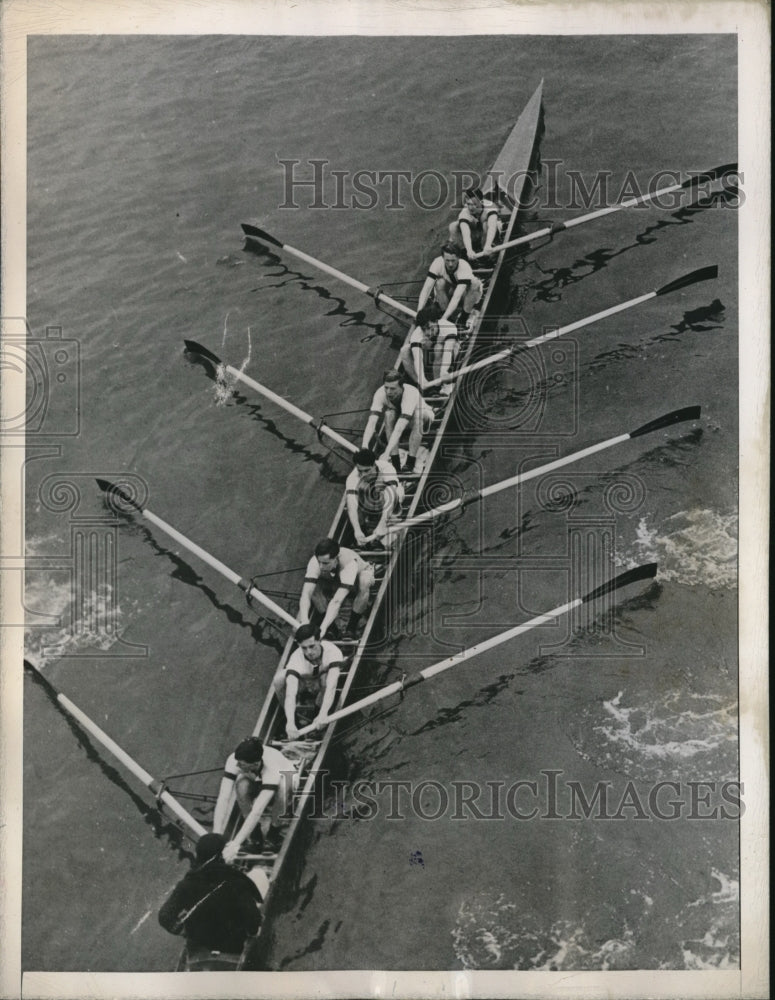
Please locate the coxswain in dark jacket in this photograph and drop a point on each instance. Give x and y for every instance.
(215, 906)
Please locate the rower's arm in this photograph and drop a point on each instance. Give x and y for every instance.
(389, 501)
(333, 609)
(419, 365)
(465, 235)
(448, 351)
(263, 799)
(352, 513)
(371, 427)
(225, 798)
(426, 290)
(305, 601)
(401, 424)
(455, 301)
(491, 231)
(291, 690)
(332, 679)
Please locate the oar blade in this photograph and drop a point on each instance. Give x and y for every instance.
(701, 274)
(259, 234)
(195, 348)
(38, 675)
(645, 572)
(710, 175)
(667, 420)
(110, 489)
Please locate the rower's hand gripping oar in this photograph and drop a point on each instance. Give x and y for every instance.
(646, 572)
(112, 490)
(254, 233)
(666, 420)
(692, 278)
(91, 727)
(197, 349)
(692, 182)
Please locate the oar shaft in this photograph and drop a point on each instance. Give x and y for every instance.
(353, 282)
(473, 367)
(222, 568)
(591, 216)
(550, 466)
(553, 334)
(291, 408)
(130, 764)
(451, 661)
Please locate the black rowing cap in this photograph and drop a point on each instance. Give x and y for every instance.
(209, 846)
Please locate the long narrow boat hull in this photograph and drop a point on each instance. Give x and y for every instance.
(510, 176)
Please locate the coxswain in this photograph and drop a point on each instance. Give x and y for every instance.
(306, 685)
(398, 406)
(334, 573)
(476, 225)
(453, 284)
(259, 776)
(215, 906)
(373, 492)
(431, 348)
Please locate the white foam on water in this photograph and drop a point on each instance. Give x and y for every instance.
(94, 625)
(670, 731)
(715, 922)
(225, 383)
(493, 934)
(691, 547)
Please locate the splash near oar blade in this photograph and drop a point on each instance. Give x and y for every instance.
(111, 490)
(630, 576)
(196, 349)
(99, 734)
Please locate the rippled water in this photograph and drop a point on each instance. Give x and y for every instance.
(145, 154)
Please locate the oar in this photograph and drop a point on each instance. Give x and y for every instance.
(666, 420)
(630, 576)
(108, 487)
(194, 348)
(692, 182)
(701, 274)
(131, 765)
(254, 233)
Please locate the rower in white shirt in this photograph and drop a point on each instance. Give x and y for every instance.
(476, 226)
(398, 406)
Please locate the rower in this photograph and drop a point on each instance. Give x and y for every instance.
(217, 907)
(259, 776)
(398, 405)
(431, 348)
(477, 224)
(306, 685)
(373, 492)
(453, 284)
(333, 573)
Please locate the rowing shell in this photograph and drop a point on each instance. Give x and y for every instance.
(518, 157)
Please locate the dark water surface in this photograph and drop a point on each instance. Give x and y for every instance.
(145, 154)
